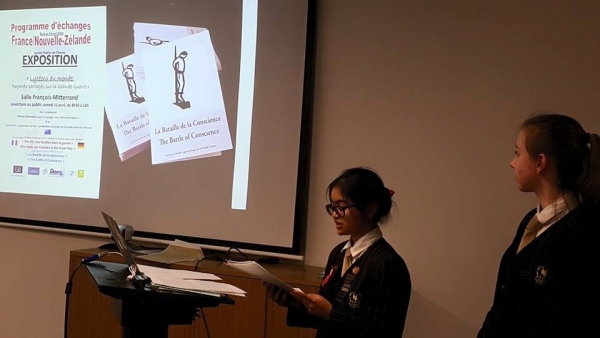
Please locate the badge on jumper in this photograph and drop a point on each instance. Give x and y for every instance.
(354, 300)
(355, 270)
(540, 275)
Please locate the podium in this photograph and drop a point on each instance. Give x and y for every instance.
(146, 312)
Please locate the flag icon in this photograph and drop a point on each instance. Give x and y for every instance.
(80, 145)
(47, 132)
(13, 142)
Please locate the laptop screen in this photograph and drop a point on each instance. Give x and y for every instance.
(120, 241)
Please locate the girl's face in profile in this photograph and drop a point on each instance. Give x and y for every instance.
(524, 166)
(348, 220)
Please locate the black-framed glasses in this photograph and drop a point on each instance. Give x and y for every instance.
(339, 210)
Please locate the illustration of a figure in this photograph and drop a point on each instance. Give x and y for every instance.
(154, 41)
(131, 85)
(179, 68)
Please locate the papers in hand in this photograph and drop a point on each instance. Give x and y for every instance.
(189, 281)
(254, 269)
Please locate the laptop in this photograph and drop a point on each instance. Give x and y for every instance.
(136, 275)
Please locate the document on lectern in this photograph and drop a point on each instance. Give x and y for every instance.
(254, 269)
(207, 287)
(153, 272)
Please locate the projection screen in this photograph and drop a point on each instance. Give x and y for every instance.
(186, 119)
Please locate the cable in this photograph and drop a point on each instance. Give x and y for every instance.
(205, 323)
(238, 250)
(219, 258)
(68, 290)
(69, 286)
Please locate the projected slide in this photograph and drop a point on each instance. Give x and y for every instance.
(52, 101)
(182, 118)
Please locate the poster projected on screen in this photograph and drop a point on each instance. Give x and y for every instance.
(180, 118)
(52, 101)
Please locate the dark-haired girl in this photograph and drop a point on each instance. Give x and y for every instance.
(366, 288)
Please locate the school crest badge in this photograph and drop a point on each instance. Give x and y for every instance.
(354, 300)
(540, 275)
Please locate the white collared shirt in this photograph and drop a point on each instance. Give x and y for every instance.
(555, 211)
(363, 243)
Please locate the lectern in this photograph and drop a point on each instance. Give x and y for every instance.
(146, 312)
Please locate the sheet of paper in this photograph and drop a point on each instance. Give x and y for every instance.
(168, 288)
(175, 253)
(153, 272)
(254, 269)
(185, 244)
(199, 285)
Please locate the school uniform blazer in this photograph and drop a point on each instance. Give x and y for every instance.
(370, 300)
(549, 288)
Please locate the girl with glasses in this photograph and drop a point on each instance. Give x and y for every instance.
(545, 286)
(366, 288)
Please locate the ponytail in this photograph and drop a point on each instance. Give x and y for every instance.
(589, 182)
